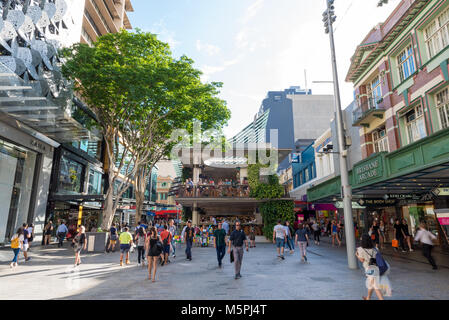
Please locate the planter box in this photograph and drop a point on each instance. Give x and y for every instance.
(96, 241)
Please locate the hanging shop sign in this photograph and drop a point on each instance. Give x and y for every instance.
(369, 170)
(439, 192)
(377, 202)
(443, 217)
(402, 196)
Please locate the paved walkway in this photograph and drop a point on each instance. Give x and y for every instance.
(50, 275)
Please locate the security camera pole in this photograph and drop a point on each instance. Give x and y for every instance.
(328, 19)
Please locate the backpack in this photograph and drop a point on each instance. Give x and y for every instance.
(379, 261)
(15, 243)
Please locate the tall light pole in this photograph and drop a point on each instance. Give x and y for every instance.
(328, 19)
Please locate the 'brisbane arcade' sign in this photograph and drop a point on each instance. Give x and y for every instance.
(369, 171)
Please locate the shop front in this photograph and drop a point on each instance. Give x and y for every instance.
(25, 167)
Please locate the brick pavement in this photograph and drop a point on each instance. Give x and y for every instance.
(50, 275)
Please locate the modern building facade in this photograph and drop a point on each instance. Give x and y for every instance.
(295, 113)
(44, 139)
(401, 79)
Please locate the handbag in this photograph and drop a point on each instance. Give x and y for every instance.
(395, 243)
(373, 237)
(231, 256)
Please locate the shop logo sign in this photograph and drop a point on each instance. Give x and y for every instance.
(369, 171)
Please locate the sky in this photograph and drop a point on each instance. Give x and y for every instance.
(256, 46)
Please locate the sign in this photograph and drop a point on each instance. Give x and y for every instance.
(301, 217)
(439, 192)
(443, 218)
(402, 196)
(377, 202)
(369, 170)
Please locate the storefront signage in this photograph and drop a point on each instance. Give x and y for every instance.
(377, 202)
(402, 196)
(38, 145)
(441, 192)
(369, 170)
(443, 218)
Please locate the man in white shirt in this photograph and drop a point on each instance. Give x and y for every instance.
(279, 237)
(426, 237)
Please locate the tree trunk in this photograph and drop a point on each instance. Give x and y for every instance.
(109, 210)
(140, 187)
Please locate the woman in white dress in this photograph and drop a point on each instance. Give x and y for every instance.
(365, 253)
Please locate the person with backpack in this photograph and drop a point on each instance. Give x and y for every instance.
(79, 243)
(426, 238)
(16, 245)
(112, 238)
(26, 237)
(140, 239)
(373, 264)
(166, 239)
(154, 250)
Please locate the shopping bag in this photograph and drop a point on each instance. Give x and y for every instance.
(385, 286)
(395, 243)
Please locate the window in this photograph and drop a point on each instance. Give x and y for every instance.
(70, 176)
(437, 34)
(380, 140)
(406, 63)
(95, 182)
(374, 90)
(416, 128)
(443, 108)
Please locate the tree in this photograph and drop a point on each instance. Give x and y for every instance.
(139, 93)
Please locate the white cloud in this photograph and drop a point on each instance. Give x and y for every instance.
(210, 49)
(164, 34)
(252, 11)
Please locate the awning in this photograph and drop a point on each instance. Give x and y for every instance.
(34, 104)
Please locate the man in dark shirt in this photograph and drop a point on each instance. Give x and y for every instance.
(399, 234)
(188, 235)
(236, 240)
(220, 242)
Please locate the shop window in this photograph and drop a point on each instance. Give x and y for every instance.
(437, 34)
(95, 185)
(380, 140)
(443, 108)
(406, 63)
(70, 176)
(415, 125)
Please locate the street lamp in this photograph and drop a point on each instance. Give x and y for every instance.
(328, 19)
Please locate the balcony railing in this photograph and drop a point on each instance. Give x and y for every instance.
(366, 107)
(213, 191)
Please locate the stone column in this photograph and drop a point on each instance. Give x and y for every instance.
(195, 220)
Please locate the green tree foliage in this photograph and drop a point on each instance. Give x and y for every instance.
(275, 208)
(139, 94)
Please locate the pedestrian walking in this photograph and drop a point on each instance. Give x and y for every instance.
(399, 234)
(374, 232)
(328, 228)
(334, 229)
(279, 237)
(16, 245)
(140, 240)
(316, 233)
(31, 238)
(382, 232)
(302, 239)
(61, 233)
(172, 230)
(426, 238)
(166, 240)
(220, 243)
(236, 240)
(289, 237)
(79, 243)
(154, 250)
(226, 227)
(126, 240)
(189, 233)
(407, 234)
(366, 253)
(252, 237)
(48, 230)
(113, 236)
(26, 237)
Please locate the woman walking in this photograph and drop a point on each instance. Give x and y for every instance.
(382, 231)
(48, 230)
(303, 238)
(141, 239)
(252, 237)
(375, 234)
(79, 243)
(316, 232)
(425, 237)
(16, 245)
(154, 249)
(334, 229)
(407, 234)
(365, 254)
